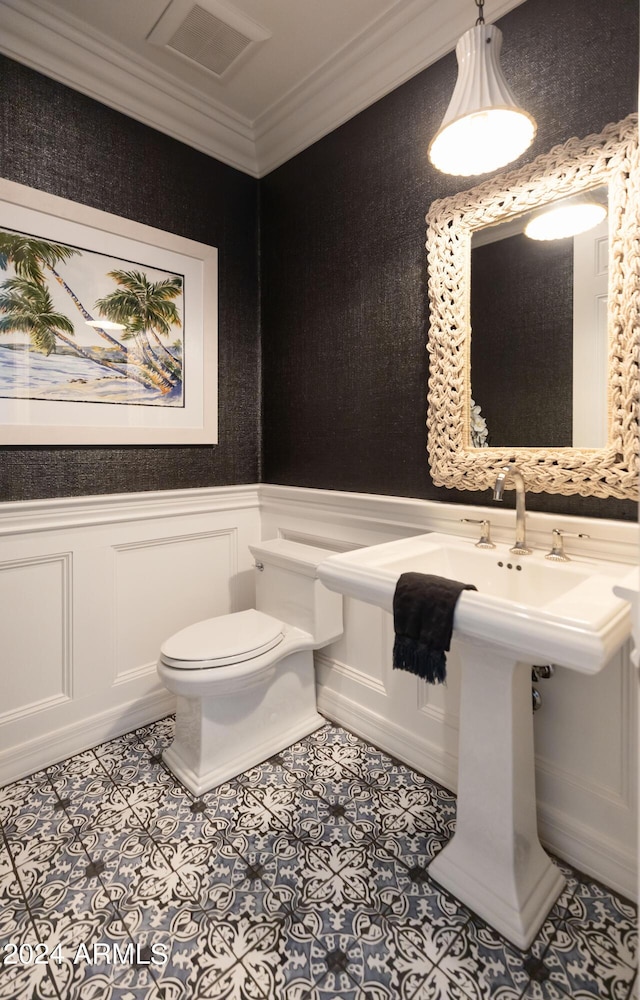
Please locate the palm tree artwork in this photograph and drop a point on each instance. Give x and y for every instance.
(26, 306)
(44, 355)
(148, 312)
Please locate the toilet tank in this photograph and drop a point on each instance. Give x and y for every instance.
(287, 588)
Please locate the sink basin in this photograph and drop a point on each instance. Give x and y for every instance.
(526, 610)
(566, 613)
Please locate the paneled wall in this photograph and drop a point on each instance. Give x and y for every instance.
(585, 732)
(89, 589)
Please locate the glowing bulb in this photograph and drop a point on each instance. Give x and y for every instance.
(482, 141)
(483, 127)
(565, 220)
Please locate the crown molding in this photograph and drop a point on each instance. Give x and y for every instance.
(105, 71)
(395, 48)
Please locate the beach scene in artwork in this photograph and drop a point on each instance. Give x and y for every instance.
(80, 326)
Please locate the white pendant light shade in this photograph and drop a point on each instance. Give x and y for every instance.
(565, 220)
(483, 127)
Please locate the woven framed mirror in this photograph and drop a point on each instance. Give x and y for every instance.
(573, 358)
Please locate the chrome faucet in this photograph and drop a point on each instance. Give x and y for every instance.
(520, 548)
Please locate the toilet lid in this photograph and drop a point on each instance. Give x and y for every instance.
(219, 641)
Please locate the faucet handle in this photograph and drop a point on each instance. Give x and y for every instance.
(557, 553)
(484, 541)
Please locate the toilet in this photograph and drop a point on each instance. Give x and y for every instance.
(245, 682)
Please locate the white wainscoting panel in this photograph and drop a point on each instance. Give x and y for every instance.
(35, 597)
(164, 584)
(89, 589)
(586, 731)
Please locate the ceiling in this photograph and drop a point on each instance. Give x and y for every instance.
(296, 68)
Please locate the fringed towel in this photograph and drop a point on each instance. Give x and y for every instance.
(423, 608)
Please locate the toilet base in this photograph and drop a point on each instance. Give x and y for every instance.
(219, 736)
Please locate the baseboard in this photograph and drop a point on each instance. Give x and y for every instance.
(27, 758)
(588, 851)
(425, 757)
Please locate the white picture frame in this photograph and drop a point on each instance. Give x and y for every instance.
(36, 408)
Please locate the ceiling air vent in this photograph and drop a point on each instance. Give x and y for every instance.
(208, 41)
(211, 33)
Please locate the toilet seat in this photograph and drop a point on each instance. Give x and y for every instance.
(218, 642)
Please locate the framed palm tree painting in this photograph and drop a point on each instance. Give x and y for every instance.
(108, 328)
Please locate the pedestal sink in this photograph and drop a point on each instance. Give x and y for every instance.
(526, 610)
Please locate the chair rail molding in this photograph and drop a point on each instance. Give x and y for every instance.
(25, 516)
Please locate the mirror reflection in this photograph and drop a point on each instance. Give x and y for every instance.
(539, 324)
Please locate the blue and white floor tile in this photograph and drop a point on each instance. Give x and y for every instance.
(306, 878)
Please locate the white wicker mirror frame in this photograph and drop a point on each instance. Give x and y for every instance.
(609, 158)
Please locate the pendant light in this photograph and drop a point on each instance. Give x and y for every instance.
(569, 218)
(483, 127)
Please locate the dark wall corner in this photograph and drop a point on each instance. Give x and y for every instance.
(344, 300)
(62, 142)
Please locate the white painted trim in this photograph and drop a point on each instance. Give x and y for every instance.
(589, 850)
(618, 797)
(145, 670)
(615, 541)
(394, 50)
(16, 762)
(396, 47)
(33, 707)
(24, 516)
(327, 665)
(433, 711)
(152, 543)
(109, 75)
(65, 561)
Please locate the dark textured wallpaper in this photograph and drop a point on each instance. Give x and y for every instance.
(62, 142)
(344, 308)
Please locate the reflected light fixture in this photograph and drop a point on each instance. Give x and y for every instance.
(104, 324)
(483, 127)
(570, 218)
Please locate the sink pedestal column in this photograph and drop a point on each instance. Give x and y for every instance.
(495, 863)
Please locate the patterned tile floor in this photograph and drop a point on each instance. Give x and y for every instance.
(307, 878)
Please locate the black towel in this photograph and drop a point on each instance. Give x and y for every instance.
(423, 608)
